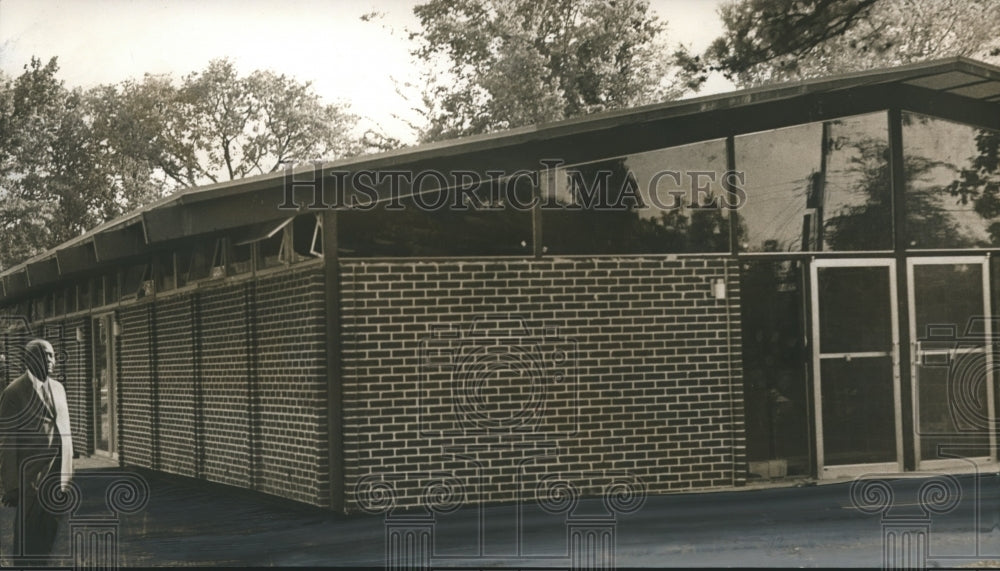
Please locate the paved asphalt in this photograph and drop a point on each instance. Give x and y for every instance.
(187, 523)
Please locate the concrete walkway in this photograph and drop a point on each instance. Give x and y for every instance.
(193, 523)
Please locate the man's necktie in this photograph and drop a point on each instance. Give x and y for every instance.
(47, 393)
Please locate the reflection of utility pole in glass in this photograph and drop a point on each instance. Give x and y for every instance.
(812, 220)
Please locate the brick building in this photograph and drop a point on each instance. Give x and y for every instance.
(788, 281)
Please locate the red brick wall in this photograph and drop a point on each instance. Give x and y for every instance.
(639, 374)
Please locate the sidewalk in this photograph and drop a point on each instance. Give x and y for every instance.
(195, 523)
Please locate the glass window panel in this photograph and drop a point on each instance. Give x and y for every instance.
(83, 294)
(493, 219)
(304, 229)
(856, 209)
(800, 198)
(136, 281)
(58, 302)
(111, 287)
(240, 259)
(69, 294)
(953, 407)
(775, 381)
(195, 262)
(165, 271)
(218, 268)
(858, 421)
(269, 251)
(39, 309)
(779, 167)
(952, 184)
(947, 300)
(97, 291)
(854, 309)
(669, 200)
(317, 241)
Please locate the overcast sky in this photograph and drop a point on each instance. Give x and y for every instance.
(322, 41)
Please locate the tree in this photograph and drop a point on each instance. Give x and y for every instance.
(218, 126)
(50, 180)
(70, 160)
(500, 64)
(780, 40)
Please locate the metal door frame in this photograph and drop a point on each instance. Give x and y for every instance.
(853, 470)
(109, 320)
(984, 262)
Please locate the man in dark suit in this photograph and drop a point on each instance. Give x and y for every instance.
(35, 443)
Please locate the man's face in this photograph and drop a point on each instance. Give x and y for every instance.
(50, 359)
(41, 360)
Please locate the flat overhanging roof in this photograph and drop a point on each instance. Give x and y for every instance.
(960, 88)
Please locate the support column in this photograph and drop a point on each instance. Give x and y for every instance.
(897, 177)
(334, 368)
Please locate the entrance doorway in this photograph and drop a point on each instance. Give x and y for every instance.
(856, 364)
(104, 386)
(856, 381)
(952, 368)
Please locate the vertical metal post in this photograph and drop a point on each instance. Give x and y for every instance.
(536, 211)
(734, 217)
(334, 379)
(897, 177)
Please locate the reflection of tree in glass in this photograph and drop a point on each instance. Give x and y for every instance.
(617, 220)
(862, 226)
(443, 230)
(980, 182)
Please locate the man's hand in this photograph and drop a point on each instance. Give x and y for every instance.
(10, 499)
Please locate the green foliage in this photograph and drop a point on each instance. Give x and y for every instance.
(501, 64)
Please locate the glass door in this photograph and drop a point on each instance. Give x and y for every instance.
(856, 367)
(952, 367)
(104, 385)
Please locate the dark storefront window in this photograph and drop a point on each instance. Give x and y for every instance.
(774, 368)
(670, 200)
(492, 220)
(952, 184)
(820, 187)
